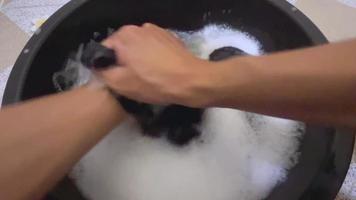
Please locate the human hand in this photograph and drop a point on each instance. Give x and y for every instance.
(155, 67)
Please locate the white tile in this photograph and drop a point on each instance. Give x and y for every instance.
(4, 76)
(351, 3)
(12, 40)
(1, 3)
(23, 12)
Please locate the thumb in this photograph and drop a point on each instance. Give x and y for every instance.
(118, 79)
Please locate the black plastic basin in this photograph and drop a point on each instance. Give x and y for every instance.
(325, 151)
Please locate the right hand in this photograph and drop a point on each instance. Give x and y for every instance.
(155, 67)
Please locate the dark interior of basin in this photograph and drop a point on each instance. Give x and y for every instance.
(325, 152)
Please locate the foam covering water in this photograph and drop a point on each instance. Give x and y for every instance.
(239, 155)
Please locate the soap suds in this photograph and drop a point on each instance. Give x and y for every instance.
(212, 37)
(239, 155)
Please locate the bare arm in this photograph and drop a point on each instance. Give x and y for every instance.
(315, 85)
(42, 139)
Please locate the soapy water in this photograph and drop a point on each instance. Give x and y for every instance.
(239, 155)
(202, 43)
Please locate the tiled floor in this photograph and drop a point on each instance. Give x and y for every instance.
(23, 12)
(12, 40)
(335, 18)
(4, 75)
(351, 3)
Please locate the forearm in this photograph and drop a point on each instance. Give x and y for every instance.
(42, 139)
(315, 85)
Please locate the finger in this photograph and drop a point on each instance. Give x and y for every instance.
(108, 43)
(128, 27)
(114, 74)
(153, 29)
(174, 38)
(123, 35)
(151, 26)
(128, 33)
(119, 48)
(169, 36)
(117, 78)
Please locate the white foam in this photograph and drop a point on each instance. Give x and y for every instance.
(239, 155)
(212, 37)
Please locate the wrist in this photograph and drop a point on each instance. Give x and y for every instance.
(222, 84)
(198, 90)
(103, 102)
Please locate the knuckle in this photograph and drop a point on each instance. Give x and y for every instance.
(107, 43)
(147, 25)
(129, 29)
